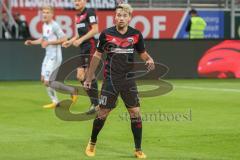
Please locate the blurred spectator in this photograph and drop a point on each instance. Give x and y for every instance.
(196, 25)
(6, 27)
(23, 29)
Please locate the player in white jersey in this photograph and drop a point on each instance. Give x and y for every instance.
(51, 40)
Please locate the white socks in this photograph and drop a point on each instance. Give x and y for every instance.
(52, 94)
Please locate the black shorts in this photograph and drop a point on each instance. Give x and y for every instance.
(85, 60)
(128, 92)
(86, 53)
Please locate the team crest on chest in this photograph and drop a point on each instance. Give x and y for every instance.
(130, 40)
(80, 18)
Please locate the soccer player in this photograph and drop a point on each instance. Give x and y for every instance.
(87, 28)
(51, 40)
(119, 43)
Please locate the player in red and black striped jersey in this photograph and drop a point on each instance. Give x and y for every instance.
(120, 44)
(87, 28)
(120, 52)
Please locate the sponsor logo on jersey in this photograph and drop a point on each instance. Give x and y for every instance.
(81, 25)
(122, 50)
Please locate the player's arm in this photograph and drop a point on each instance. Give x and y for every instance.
(33, 42)
(87, 36)
(56, 42)
(140, 48)
(92, 19)
(95, 60)
(69, 42)
(91, 33)
(93, 66)
(59, 41)
(148, 60)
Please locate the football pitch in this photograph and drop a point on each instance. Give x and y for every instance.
(197, 120)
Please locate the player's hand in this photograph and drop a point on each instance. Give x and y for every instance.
(44, 44)
(87, 84)
(150, 64)
(28, 42)
(66, 44)
(77, 42)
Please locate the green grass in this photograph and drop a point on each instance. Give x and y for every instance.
(28, 132)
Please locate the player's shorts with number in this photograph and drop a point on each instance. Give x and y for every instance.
(49, 65)
(127, 90)
(86, 53)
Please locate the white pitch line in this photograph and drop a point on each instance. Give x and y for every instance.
(209, 89)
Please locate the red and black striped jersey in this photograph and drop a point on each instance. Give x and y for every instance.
(84, 21)
(120, 50)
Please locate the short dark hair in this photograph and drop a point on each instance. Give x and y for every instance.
(193, 11)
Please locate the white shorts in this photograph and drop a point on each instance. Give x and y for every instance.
(49, 66)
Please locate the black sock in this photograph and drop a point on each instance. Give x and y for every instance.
(97, 126)
(136, 125)
(93, 92)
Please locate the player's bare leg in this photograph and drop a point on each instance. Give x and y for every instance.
(60, 86)
(92, 92)
(52, 94)
(136, 125)
(42, 79)
(98, 124)
(81, 74)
